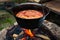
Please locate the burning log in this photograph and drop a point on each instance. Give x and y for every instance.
(42, 36)
(15, 36)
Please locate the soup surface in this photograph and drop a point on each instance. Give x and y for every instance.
(29, 14)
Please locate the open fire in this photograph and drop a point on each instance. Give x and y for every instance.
(18, 33)
(27, 33)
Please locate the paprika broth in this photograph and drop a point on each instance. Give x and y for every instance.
(29, 14)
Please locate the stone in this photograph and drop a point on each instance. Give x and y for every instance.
(55, 29)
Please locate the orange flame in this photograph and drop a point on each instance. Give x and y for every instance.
(28, 32)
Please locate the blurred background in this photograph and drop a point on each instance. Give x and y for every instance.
(6, 19)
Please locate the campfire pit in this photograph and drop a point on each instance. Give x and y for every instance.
(49, 30)
(42, 33)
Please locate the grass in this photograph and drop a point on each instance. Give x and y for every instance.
(6, 19)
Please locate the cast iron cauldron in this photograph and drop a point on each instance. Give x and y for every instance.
(29, 23)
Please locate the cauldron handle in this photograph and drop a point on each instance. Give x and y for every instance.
(48, 11)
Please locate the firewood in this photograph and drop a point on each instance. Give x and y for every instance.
(43, 36)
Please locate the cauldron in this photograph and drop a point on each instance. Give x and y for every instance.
(29, 23)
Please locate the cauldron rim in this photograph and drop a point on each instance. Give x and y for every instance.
(35, 4)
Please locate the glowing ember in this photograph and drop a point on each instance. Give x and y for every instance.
(29, 33)
(23, 38)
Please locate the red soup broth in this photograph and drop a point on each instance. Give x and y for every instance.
(29, 14)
